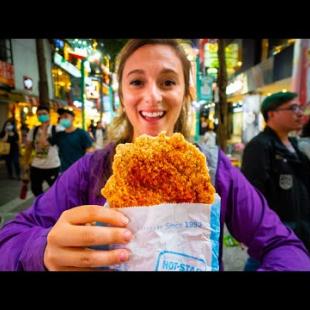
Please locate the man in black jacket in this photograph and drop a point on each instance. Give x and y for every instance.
(273, 163)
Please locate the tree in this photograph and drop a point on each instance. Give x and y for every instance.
(43, 85)
(112, 47)
(223, 107)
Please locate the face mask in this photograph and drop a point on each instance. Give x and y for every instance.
(9, 127)
(65, 123)
(43, 118)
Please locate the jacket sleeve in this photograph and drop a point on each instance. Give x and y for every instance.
(23, 240)
(256, 165)
(252, 222)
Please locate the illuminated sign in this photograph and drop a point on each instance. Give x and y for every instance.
(211, 59)
(92, 88)
(7, 74)
(206, 88)
(67, 66)
(231, 54)
(238, 86)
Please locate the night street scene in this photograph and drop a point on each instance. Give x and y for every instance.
(155, 154)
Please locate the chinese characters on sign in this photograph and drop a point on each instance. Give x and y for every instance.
(7, 74)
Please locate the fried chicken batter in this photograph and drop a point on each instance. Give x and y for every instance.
(155, 170)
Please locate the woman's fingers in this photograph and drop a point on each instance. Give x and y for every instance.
(85, 236)
(71, 258)
(93, 213)
(69, 239)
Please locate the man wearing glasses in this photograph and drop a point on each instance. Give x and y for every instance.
(273, 163)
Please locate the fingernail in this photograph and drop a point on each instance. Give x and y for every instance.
(125, 220)
(124, 255)
(127, 235)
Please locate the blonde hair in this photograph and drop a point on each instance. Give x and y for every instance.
(121, 130)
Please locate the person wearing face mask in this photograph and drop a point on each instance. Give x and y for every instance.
(45, 164)
(72, 142)
(9, 134)
(56, 234)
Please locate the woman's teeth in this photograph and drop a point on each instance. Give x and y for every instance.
(153, 114)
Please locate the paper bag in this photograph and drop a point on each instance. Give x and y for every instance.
(173, 237)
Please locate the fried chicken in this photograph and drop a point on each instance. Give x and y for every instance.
(155, 170)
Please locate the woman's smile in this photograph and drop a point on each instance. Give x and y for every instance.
(152, 116)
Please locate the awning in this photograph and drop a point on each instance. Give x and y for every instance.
(20, 96)
(17, 96)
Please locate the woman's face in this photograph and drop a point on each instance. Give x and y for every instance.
(153, 89)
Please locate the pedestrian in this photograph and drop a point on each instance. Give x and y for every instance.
(273, 163)
(24, 133)
(44, 165)
(209, 138)
(72, 142)
(153, 76)
(100, 135)
(92, 129)
(10, 135)
(304, 141)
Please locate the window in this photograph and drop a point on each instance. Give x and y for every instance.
(6, 51)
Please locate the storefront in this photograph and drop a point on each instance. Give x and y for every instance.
(7, 83)
(247, 91)
(67, 76)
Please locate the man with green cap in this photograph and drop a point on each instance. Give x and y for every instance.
(273, 163)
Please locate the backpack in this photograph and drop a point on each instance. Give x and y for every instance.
(36, 129)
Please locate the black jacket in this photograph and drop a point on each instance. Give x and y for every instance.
(283, 177)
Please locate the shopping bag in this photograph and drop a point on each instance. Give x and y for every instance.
(4, 148)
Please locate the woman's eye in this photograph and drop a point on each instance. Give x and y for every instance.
(136, 83)
(169, 83)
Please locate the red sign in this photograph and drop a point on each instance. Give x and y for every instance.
(7, 74)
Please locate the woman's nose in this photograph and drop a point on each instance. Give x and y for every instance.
(153, 94)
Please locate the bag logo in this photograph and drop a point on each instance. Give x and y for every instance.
(286, 181)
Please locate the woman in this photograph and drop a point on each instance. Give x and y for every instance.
(9, 134)
(154, 91)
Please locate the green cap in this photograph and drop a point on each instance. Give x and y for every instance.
(275, 100)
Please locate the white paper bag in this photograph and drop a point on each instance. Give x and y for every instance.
(173, 237)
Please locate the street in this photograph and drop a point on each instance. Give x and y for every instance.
(10, 203)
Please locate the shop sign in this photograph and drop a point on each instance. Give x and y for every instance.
(7, 74)
(232, 55)
(92, 88)
(206, 88)
(105, 89)
(211, 57)
(107, 106)
(67, 66)
(238, 85)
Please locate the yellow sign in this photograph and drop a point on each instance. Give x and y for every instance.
(231, 53)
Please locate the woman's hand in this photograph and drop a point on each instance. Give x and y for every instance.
(69, 239)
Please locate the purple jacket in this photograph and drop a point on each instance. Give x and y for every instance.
(243, 209)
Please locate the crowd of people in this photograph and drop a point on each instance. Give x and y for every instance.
(50, 149)
(265, 205)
